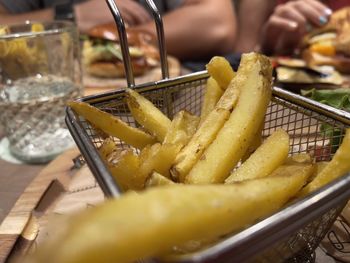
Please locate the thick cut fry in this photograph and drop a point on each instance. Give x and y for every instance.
(107, 147)
(148, 115)
(212, 95)
(182, 128)
(299, 158)
(150, 223)
(220, 69)
(124, 167)
(156, 179)
(254, 78)
(257, 141)
(157, 158)
(112, 125)
(270, 155)
(338, 166)
(206, 132)
(291, 169)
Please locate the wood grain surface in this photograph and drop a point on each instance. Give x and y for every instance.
(16, 221)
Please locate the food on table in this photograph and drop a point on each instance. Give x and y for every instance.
(102, 55)
(148, 115)
(272, 154)
(210, 124)
(337, 98)
(297, 71)
(112, 125)
(330, 45)
(254, 79)
(220, 69)
(168, 214)
(141, 225)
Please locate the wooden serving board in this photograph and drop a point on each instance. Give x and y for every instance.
(19, 226)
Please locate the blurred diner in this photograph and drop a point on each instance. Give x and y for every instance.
(276, 27)
(193, 28)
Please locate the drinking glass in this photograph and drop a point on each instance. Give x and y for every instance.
(39, 71)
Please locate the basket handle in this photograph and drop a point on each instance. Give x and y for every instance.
(124, 41)
(160, 37)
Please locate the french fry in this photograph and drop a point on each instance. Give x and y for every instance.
(257, 141)
(290, 169)
(147, 224)
(212, 94)
(165, 158)
(112, 125)
(37, 27)
(148, 115)
(206, 132)
(156, 179)
(338, 166)
(124, 167)
(299, 158)
(220, 69)
(270, 155)
(182, 128)
(254, 78)
(106, 148)
(157, 158)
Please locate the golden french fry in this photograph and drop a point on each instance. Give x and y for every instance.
(254, 79)
(182, 128)
(147, 224)
(157, 158)
(124, 165)
(270, 155)
(107, 147)
(308, 169)
(298, 158)
(220, 69)
(338, 166)
(257, 141)
(112, 125)
(206, 132)
(156, 179)
(37, 27)
(148, 115)
(321, 166)
(212, 95)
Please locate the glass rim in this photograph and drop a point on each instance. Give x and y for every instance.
(63, 26)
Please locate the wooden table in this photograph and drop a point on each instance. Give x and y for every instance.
(14, 178)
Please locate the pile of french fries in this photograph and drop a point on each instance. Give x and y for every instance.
(205, 176)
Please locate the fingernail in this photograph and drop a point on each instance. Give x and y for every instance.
(328, 12)
(323, 20)
(293, 25)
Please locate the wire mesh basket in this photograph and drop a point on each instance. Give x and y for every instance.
(292, 234)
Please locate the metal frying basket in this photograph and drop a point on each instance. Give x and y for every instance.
(292, 234)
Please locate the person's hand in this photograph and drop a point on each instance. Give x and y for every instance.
(290, 22)
(95, 12)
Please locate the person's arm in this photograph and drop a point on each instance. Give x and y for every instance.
(199, 28)
(96, 12)
(87, 14)
(252, 15)
(41, 15)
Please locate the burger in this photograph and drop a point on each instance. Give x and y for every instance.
(330, 45)
(102, 56)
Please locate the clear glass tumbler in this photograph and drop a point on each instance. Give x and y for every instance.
(40, 71)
